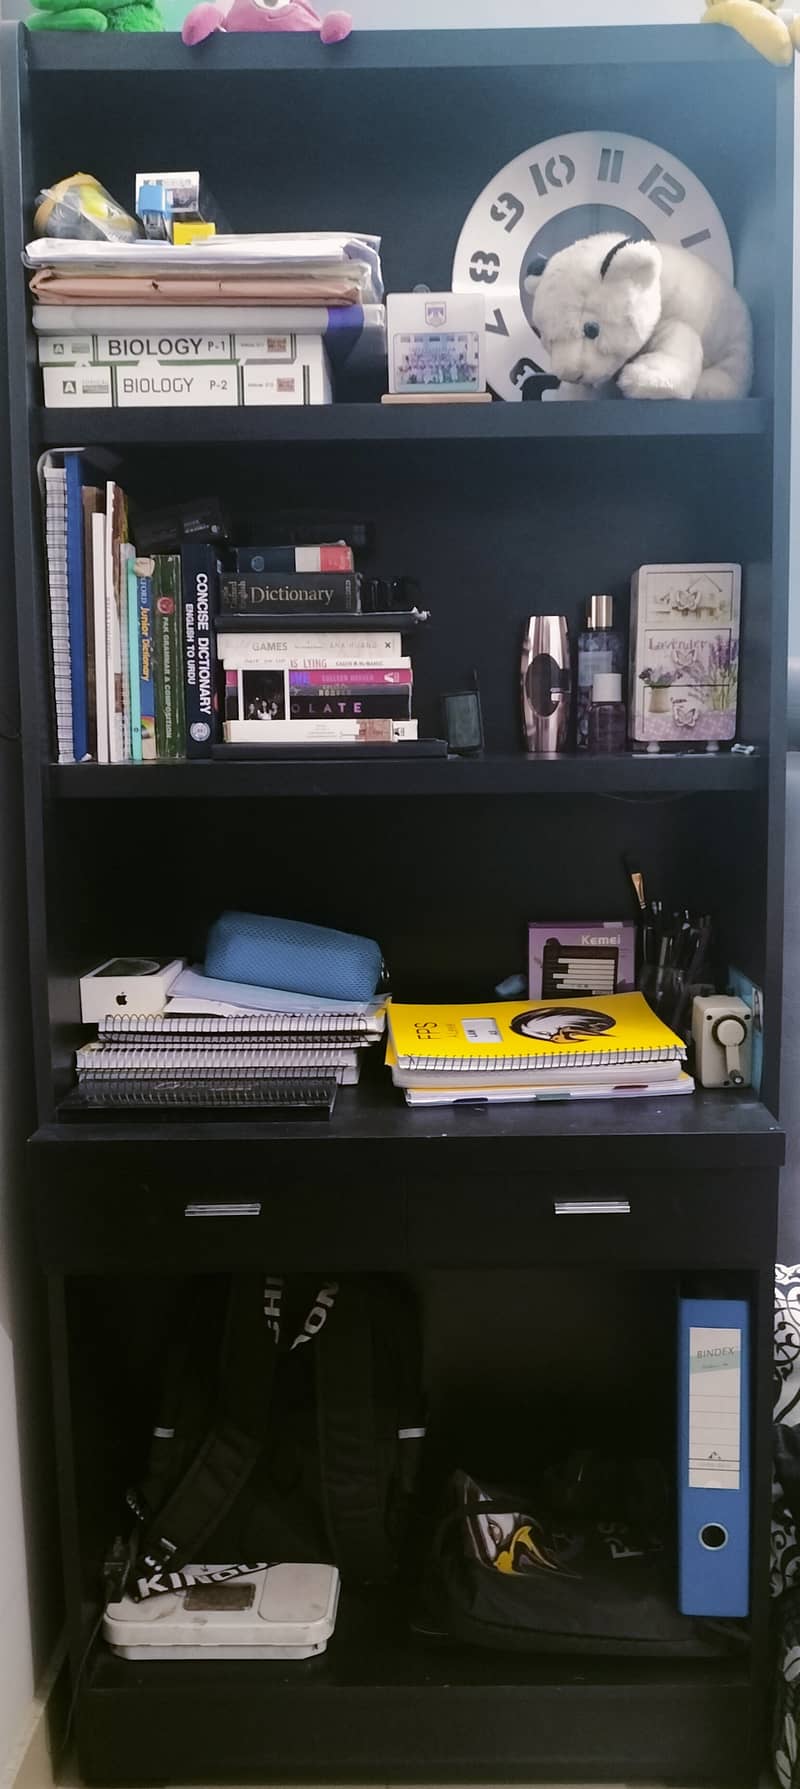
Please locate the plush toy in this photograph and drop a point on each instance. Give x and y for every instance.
(769, 28)
(656, 319)
(264, 15)
(99, 15)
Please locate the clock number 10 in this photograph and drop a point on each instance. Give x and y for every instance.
(663, 189)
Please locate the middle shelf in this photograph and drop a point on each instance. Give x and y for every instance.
(629, 421)
(501, 774)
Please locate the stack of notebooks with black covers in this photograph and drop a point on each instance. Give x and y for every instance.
(606, 1047)
(281, 1060)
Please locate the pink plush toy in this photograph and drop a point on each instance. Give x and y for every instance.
(264, 15)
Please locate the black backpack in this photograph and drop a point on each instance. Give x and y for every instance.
(289, 1429)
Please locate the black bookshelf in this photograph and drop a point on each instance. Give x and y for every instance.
(415, 423)
(547, 1241)
(632, 774)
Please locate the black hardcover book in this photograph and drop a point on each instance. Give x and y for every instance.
(199, 573)
(167, 530)
(345, 705)
(290, 593)
(253, 621)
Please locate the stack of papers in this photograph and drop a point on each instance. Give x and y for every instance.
(302, 268)
(593, 1048)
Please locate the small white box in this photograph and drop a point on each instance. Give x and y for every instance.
(78, 388)
(137, 985)
(436, 342)
(283, 1612)
(151, 384)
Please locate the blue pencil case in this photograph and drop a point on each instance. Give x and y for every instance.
(288, 954)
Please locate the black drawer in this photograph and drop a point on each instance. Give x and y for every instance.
(158, 1215)
(627, 1221)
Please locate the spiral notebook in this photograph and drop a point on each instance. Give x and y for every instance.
(288, 1030)
(107, 1062)
(579, 1037)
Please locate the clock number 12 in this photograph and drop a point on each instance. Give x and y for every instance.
(667, 194)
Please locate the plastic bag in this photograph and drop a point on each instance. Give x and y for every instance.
(80, 209)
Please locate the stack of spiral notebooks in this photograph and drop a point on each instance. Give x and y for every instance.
(260, 1064)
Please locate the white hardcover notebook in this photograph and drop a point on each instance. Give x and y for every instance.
(506, 1096)
(100, 634)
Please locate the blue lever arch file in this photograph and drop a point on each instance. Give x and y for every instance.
(714, 1457)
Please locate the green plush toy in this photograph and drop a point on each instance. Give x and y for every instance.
(101, 15)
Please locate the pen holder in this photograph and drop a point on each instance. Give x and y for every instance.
(670, 993)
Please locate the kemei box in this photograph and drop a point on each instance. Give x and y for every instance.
(595, 957)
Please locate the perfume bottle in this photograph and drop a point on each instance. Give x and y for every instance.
(546, 683)
(607, 717)
(601, 647)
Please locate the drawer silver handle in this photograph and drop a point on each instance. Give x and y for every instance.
(586, 1208)
(223, 1211)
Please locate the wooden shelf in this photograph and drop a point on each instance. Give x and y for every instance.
(373, 423)
(631, 774)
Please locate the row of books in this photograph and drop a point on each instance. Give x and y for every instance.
(606, 1047)
(163, 655)
(220, 1044)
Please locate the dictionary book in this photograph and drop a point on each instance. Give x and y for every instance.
(199, 573)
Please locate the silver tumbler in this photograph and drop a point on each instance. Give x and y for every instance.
(546, 683)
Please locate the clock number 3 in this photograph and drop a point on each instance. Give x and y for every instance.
(667, 194)
(484, 268)
(507, 210)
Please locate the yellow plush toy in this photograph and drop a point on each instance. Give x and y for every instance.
(771, 29)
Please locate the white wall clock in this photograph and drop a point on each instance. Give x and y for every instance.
(546, 198)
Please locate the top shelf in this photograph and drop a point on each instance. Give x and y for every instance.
(146, 54)
(609, 419)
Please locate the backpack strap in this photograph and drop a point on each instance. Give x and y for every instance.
(360, 1455)
(222, 1465)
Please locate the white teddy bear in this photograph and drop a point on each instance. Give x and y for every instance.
(657, 319)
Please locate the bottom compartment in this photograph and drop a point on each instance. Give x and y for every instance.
(381, 1706)
(523, 1369)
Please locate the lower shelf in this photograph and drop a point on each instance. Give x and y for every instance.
(381, 1706)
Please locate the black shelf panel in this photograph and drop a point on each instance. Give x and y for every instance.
(427, 1712)
(629, 774)
(631, 421)
(706, 1130)
(148, 54)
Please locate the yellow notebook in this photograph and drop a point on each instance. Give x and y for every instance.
(509, 1035)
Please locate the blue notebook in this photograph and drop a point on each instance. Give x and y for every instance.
(76, 608)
